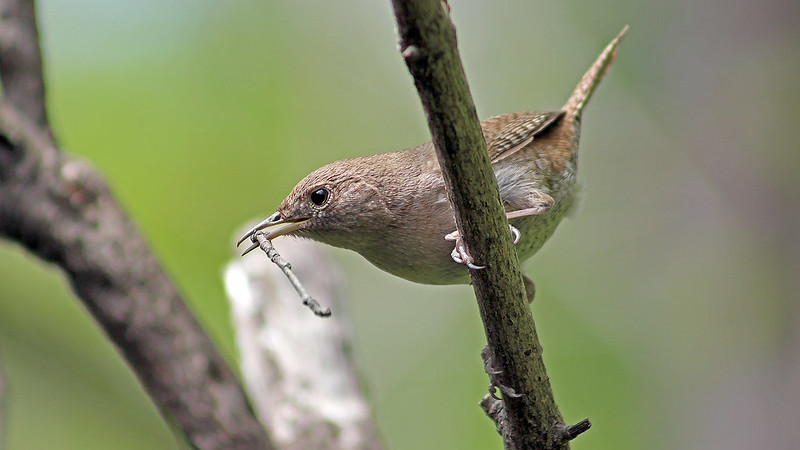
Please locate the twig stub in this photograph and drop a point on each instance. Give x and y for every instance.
(570, 432)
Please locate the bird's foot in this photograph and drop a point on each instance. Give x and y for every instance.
(461, 255)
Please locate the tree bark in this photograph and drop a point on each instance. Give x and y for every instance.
(61, 210)
(428, 45)
(21, 59)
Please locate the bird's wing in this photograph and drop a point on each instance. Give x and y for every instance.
(508, 133)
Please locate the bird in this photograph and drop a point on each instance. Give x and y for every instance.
(392, 208)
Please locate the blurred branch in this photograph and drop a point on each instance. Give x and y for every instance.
(62, 211)
(2, 402)
(21, 59)
(299, 368)
(428, 45)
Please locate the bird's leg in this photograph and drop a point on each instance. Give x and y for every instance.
(492, 371)
(461, 255)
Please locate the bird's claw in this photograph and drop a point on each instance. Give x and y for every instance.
(461, 255)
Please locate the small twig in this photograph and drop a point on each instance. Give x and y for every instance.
(570, 432)
(301, 372)
(276, 258)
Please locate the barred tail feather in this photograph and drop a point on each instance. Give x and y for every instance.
(592, 79)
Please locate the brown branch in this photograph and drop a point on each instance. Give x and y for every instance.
(62, 211)
(572, 431)
(494, 409)
(428, 44)
(299, 369)
(21, 60)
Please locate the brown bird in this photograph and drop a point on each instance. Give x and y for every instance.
(392, 207)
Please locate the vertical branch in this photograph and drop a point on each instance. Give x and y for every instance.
(61, 210)
(299, 369)
(428, 45)
(21, 59)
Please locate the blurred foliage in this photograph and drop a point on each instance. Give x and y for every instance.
(668, 308)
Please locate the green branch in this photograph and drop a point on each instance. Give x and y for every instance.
(428, 44)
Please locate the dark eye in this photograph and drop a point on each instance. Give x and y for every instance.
(320, 196)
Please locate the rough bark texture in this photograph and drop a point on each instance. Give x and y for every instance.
(428, 44)
(62, 211)
(299, 368)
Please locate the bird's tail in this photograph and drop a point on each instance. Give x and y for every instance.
(592, 78)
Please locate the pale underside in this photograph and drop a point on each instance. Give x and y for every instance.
(532, 156)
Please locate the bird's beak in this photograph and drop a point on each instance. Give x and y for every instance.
(282, 226)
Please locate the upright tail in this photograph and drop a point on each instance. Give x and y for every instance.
(591, 79)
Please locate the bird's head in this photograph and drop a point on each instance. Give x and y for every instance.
(335, 204)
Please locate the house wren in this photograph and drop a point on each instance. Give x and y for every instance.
(392, 208)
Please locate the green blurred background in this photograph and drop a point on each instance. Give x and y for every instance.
(668, 308)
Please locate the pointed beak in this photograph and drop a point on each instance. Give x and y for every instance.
(282, 226)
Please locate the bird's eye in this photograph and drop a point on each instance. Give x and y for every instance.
(320, 196)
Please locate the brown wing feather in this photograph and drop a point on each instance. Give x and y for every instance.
(508, 133)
